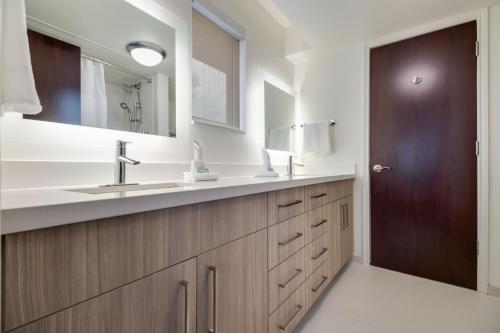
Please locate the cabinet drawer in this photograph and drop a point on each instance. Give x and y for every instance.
(285, 239)
(341, 189)
(285, 278)
(224, 221)
(317, 253)
(285, 204)
(316, 284)
(317, 195)
(318, 221)
(162, 302)
(289, 314)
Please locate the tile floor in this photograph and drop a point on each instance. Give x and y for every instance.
(374, 300)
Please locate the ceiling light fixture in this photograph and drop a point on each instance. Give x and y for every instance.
(147, 54)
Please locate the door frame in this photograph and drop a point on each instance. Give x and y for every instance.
(481, 18)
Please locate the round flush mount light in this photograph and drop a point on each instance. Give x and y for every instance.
(147, 54)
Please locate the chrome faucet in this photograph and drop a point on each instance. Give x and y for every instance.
(121, 161)
(289, 167)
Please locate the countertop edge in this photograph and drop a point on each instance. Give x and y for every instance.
(32, 218)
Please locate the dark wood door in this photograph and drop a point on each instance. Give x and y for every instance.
(423, 126)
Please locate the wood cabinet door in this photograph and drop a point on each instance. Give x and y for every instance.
(346, 211)
(335, 233)
(160, 303)
(232, 287)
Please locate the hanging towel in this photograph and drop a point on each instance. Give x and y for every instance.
(316, 138)
(279, 138)
(18, 92)
(94, 109)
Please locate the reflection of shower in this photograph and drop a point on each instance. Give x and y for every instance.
(135, 116)
(125, 107)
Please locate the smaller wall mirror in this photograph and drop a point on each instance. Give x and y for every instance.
(280, 118)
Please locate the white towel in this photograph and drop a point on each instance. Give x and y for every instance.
(94, 109)
(316, 138)
(18, 92)
(279, 138)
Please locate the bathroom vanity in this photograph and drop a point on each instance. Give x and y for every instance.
(241, 255)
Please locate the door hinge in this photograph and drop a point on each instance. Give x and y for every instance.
(477, 148)
(477, 48)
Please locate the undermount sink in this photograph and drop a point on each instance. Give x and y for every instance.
(124, 188)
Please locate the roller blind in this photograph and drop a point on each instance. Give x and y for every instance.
(216, 72)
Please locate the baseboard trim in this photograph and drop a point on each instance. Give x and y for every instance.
(493, 291)
(357, 259)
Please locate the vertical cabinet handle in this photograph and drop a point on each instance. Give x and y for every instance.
(213, 270)
(284, 327)
(342, 217)
(185, 285)
(347, 215)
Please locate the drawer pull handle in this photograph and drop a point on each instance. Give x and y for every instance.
(285, 327)
(323, 280)
(319, 224)
(185, 285)
(316, 196)
(283, 285)
(213, 269)
(297, 236)
(296, 202)
(323, 251)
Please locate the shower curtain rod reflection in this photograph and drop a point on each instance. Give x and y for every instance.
(148, 80)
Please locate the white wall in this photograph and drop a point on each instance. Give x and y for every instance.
(35, 141)
(331, 87)
(494, 130)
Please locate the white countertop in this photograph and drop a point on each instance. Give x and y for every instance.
(29, 209)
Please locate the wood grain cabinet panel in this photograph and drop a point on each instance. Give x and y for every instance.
(317, 283)
(290, 313)
(317, 195)
(347, 238)
(162, 302)
(285, 278)
(48, 270)
(223, 221)
(285, 239)
(341, 189)
(335, 258)
(317, 252)
(284, 204)
(317, 223)
(232, 287)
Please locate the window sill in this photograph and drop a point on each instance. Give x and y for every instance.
(196, 120)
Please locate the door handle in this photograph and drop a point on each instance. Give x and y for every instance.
(378, 168)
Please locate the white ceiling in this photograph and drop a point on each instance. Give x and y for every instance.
(330, 24)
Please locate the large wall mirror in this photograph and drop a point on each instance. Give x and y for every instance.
(279, 118)
(104, 64)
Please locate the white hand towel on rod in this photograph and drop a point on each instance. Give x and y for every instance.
(316, 138)
(18, 92)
